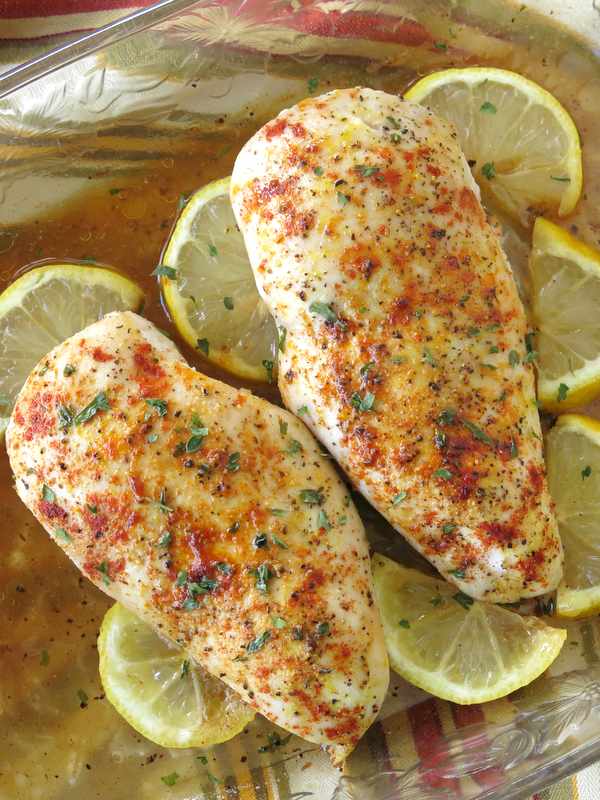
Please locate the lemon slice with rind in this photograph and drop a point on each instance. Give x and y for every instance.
(47, 305)
(210, 290)
(159, 691)
(565, 283)
(573, 463)
(455, 647)
(522, 144)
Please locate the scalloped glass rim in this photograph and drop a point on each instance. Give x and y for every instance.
(537, 746)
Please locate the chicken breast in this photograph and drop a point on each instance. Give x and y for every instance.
(211, 514)
(405, 339)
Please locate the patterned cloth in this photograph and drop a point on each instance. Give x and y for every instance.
(30, 27)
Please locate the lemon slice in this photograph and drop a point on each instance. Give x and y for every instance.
(454, 647)
(211, 295)
(522, 144)
(573, 463)
(159, 691)
(47, 305)
(565, 284)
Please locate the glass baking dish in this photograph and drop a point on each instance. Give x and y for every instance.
(160, 102)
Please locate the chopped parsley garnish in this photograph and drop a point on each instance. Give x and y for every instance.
(263, 576)
(162, 502)
(364, 370)
(48, 494)
(233, 462)
(234, 528)
(257, 644)
(322, 629)
(165, 539)
(199, 433)
(323, 520)
(514, 450)
(62, 534)
(181, 578)
(203, 586)
(489, 170)
(104, 569)
(83, 698)
(279, 542)
(278, 622)
(473, 332)
(312, 497)
(92, 509)
(440, 439)
(99, 403)
(44, 658)
(447, 416)
(513, 358)
(162, 271)
(365, 171)
(269, 367)
(283, 427)
(274, 740)
(440, 45)
(444, 474)
(294, 447)
(428, 358)
(170, 779)
(436, 601)
(202, 345)
(313, 85)
(160, 406)
(228, 303)
(323, 310)
(114, 190)
(463, 599)
(458, 573)
(398, 359)
(563, 179)
(494, 349)
(586, 472)
(302, 410)
(281, 340)
(213, 250)
(343, 199)
(449, 527)
(488, 108)
(69, 370)
(362, 403)
(278, 512)
(318, 171)
(260, 540)
(482, 436)
(393, 123)
(399, 498)
(224, 568)
(65, 417)
(563, 391)
(404, 623)
(153, 437)
(185, 668)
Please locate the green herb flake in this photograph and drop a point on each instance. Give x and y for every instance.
(362, 403)
(428, 357)
(560, 179)
(258, 643)
(48, 494)
(563, 391)
(318, 171)
(185, 668)
(343, 199)
(269, 367)
(323, 520)
(478, 434)
(212, 251)
(283, 428)
(449, 527)
(463, 600)
(444, 474)
(323, 310)
(83, 698)
(458, 573)
(263, 575)
(440, 46)
(61, 533)
(404, 623)
(224, 569)
(293, 448)
(99, 403)
(181, 578)
(399, 498)
(514, 450)
(312, 497)
(162, 502)
(440, 439)
(278, 512)
(279, 542)
(488, 170)
(114, 190)
(44, 658)
(162, 271)
(152, 438)
(165, 539)
(586, 472)
(278, 622)
(203, 346)
(160, 406)
(513, 358)
(365, 171)
(233, 462)
(313, 85)
(365, 369)
(488, 108)
(69, 370)
(322, 629)
(228, 303)
(494, 349)
(302, 411)
(104, 569)
(170, 779)
(436, 601)
(297, 633)
(447, 416)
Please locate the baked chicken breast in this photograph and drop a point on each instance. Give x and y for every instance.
(211, 514)
(405, 339)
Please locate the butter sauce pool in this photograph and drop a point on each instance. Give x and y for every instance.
(59, 736)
